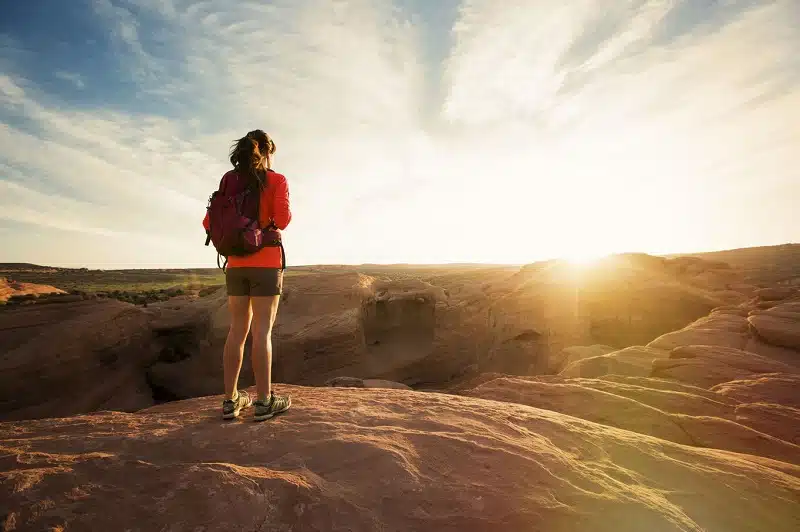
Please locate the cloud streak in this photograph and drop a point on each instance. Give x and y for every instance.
(72, 78)
(540, 128)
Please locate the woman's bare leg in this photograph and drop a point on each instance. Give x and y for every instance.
(265, 310)
(240, 312)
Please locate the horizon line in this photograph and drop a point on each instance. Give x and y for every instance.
(404, 264)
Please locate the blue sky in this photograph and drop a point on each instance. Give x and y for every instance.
(410, 131)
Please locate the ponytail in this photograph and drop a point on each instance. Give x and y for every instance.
(250, 156)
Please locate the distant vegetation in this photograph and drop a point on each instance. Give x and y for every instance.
(134, 297)
(133, 286)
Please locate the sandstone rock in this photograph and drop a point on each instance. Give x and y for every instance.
(579, 352)
(722, 322)
(597, 366)
(353, 382)
(775, 293)
(10, 288)
(683, 400)
(779, 325)
(727, 329)
(426, 326)
(701, 336)
(709, 365)
(622, 300)
(603, 402)
(781, 354)
(729, 309)
(59, 360)
(728, 296)
(780, 388)
(744, 288)
(671, 386)
(328, 325)
(345, 382)
(776, 420)
(633, 361)
(349, 459)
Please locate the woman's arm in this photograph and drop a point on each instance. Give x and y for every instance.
(282, 213)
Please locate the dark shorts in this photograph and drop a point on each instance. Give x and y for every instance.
(254, 281)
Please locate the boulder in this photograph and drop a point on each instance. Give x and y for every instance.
(779, 326)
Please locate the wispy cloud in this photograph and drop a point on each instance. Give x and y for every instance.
(536, 126)
(71, 77)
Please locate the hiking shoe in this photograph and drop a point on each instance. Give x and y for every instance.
(231, 408)
(276, 404)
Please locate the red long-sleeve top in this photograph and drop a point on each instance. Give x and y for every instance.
(274, 208)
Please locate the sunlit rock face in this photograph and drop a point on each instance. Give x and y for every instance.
(11, 289)
(695, 428)
(366, 459)
(421, 326)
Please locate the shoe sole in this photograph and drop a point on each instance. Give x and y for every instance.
(271, 414)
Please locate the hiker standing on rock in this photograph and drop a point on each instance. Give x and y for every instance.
(244, 220)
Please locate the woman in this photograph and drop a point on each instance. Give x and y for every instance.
(254, 282)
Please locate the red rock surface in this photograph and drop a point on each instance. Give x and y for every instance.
(580, 352)
(633, 361)
(779, 325)
(423, 327)
(765, 388)
(353, 382)
(65, 358)
(680, 417)
(350, 459)
(10, 288)
(329, 325)
(708, 365)
(698, 430)
(731, 343)
(775, 293)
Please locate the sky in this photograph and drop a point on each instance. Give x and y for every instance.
(410, 131)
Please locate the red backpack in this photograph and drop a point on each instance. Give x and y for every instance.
(233, 216)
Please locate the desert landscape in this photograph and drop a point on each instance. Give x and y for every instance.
(543, 266)
(633, 393)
